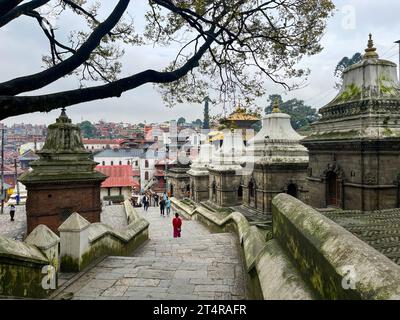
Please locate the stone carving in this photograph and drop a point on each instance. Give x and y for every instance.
(333, 167)
(369, 178)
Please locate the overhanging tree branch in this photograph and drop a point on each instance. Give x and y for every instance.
(41, 79)
(12, 106)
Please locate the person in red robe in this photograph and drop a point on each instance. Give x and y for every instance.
(177, 224)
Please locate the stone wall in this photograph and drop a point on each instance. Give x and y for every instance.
(179, 182)
(271, 180)
(82, 242)
(305, 256)
(226, 187)
(324, 253)
(199, 187)
(24, 266)
(278, 280)
(51, 204)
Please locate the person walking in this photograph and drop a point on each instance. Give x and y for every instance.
(156, 199)
(177, 224)
(168, 205)
(144, 200)
(12, 212)
(162, 207)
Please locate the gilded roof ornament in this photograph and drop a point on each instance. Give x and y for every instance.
(276, 106)
(370, 52)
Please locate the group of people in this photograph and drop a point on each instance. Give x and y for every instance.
(165, 205)
(164, 202)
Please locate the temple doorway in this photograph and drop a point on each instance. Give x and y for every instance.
(333, 189)
(252, 194)
(292, 190)
(240, 194)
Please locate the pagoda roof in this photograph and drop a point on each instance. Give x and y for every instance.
(241, 114)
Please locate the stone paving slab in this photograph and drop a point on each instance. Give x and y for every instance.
(13, 229)
(200, 265)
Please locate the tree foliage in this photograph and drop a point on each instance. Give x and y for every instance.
(301, 114)
(88, 129)
(181, 120)
(343, 65)
(198, 123)
(224, 49)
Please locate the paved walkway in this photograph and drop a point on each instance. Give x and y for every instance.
(200, 265)
(13, 229)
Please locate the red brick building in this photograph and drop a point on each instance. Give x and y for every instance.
(63, 180)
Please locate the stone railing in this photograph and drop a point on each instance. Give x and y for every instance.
(250, 237)
(307, 256)
(29, 269)
(82, 242)
(335, 263)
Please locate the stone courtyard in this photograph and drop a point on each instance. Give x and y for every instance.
(200, 265)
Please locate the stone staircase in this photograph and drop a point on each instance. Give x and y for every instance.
(200, 265)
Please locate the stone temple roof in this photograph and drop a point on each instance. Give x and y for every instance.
(277, 141)
(380, 228)
(63, 157)
(367, 105)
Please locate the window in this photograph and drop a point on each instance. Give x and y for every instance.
(128, 162)
(136, 163)
(146, 176)
(112, 163)
(120, 163)
(103, 163)
(146, 164)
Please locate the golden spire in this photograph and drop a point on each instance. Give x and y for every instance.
(276, 106)
(370, 52)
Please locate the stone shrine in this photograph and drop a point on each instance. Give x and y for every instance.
(354, 148)
(280, 163)
(225, 170)
(63, 180)
(199, 175)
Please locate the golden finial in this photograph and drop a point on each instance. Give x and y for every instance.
(276, 106)
(370, 52)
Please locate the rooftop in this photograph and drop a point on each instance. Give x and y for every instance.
(380, 229)
(117, 176)
(120, 153)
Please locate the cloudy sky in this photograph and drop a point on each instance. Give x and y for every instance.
(22, 46)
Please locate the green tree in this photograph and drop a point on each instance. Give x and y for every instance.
(301, 114)
(181, 120)
(227, 48)
(198, 123)
(88, 129)
(343, 65)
